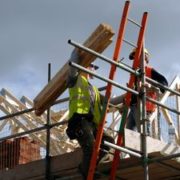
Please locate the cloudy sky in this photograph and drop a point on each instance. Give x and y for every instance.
(34, 33)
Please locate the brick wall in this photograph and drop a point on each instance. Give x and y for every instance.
(18, 151)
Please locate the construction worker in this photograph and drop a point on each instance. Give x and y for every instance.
(85, 108)
(133, 122)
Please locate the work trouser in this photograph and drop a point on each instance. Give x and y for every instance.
(85, 135)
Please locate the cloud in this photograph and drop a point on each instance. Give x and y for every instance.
(34, 33)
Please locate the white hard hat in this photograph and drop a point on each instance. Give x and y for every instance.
(131, 55)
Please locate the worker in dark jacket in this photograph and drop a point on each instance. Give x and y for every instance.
(85, 110)
(132, 122)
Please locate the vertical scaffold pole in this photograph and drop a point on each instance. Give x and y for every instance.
(48, 133)
(144, 116)
(136, 64)
(108, 91)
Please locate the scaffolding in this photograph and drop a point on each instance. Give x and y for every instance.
(139, 55)
(47, 127)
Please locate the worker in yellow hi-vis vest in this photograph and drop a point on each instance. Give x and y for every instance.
(85, 110)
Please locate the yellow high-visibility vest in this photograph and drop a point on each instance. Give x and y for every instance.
(80, 100)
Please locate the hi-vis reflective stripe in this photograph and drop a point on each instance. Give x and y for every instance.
(79, 97)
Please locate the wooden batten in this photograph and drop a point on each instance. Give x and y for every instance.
(98, 41)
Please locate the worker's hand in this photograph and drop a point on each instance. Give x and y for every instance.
(147, 85)
(74, 56)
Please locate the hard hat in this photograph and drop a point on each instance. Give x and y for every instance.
(131, 55)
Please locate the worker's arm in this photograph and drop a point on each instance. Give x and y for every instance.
(159, 78)
(73, 72)
(117, 100)
(114, 102)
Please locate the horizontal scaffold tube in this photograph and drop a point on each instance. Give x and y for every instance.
(118, 64)
(16, 114)
(161, 85)
(162, 105)
(114, 146)
(120, 86)
(103, 78)
(33, 130)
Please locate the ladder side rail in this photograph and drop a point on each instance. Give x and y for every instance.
(136, 62)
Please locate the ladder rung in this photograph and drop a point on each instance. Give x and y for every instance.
(131, 44)
(134, 22)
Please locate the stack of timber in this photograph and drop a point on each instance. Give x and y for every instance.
(98, 41)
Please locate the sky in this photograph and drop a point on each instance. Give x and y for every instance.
(34, 33)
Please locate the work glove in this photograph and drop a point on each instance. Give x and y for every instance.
(73, 72)
(75, 56)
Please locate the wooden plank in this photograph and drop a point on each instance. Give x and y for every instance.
(132, 167)
(156, 172)
(99, 40)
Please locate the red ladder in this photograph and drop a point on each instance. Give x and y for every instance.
(136, 65)
(108, 91)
